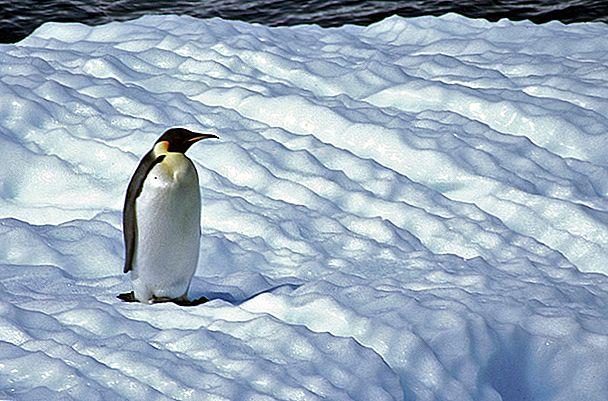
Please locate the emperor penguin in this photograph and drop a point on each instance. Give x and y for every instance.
(161, 221)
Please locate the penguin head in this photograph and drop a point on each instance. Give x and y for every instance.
(179, 140)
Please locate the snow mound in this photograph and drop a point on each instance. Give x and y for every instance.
(415, 210)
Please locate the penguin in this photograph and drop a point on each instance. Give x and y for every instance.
(161, 221)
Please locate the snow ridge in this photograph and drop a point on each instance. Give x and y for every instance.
(415, 210)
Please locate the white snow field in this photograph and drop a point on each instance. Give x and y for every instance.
(416, 210)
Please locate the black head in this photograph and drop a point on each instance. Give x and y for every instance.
(180, 139)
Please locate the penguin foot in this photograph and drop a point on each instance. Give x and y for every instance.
(160, 300)
(127, 297)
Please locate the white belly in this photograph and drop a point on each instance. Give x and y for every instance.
(168, 214)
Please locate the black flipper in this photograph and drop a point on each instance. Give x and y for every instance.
(129, 220)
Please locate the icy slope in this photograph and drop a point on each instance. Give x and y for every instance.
(414, 210)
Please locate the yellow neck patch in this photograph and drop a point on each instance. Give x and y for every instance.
(161, 148)
(174, 164)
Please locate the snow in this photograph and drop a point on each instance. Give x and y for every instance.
(414, 210)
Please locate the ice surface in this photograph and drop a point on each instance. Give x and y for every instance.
(415, 210)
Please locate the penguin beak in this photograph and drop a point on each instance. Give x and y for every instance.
(202, 136)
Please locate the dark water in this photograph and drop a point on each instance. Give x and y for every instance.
(19, 18)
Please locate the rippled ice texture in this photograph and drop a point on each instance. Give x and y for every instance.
(410, 211)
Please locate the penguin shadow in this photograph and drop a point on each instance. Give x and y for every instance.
(235, 300)
(130, 297)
